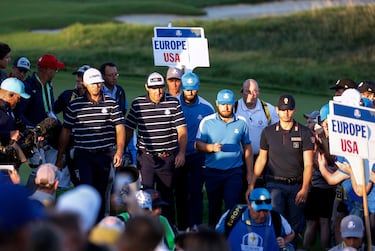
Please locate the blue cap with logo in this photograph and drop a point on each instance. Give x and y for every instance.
(260, 199)
(190, 81)
(224, 97)
(14, 85)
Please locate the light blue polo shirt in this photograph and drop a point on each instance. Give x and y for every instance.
(232, 135)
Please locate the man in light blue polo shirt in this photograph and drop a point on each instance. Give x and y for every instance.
(224, 137)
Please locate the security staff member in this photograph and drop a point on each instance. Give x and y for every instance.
(161, 138)
(286, 151)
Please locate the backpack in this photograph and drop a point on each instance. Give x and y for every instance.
(235, 213)
(265, 110)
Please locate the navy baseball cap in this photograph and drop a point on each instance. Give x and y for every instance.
(286, 102)
(260, 199)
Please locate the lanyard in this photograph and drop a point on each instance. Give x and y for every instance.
(46, 98)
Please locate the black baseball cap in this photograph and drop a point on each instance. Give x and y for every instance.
(286, 102)
(344, 83)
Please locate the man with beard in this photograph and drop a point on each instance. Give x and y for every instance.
(189, 179)
(224, 138)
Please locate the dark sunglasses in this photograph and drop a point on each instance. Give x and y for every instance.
(258, 202)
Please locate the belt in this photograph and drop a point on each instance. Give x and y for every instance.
(161, 155)
(94, 151)
(285, 180)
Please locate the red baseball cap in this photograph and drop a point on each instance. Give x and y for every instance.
(50, 61)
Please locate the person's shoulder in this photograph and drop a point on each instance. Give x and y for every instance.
(210, 117)
(203, 101)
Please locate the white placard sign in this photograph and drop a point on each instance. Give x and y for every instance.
(180, 46)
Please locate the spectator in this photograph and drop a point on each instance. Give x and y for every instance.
(46, 183)
(255, 225)
(189, 177)
(286, 151)
(161, 138)
(367, 90)
(174, 75)
(46, 237)
(111, 88)
(17, 214)
(319, 203)
(39, 86)
(352, 233)
(142, 233)
(74, 239)
(98, 135)
(224, 138)
(20, 68)
(84, 201)
(343, 84)
(62, 102)
(107, 231)
(145, 202)
(61, 105)
(5, 51)
(205, 240)
(39, 107)
(11, 91)
(258, 115)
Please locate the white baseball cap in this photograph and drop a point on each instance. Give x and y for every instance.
(92, 76)
(155, 80)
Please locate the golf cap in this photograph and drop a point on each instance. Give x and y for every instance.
(286, 102)
(324, 112)
(190, 81)
(81, 69)
(92, 76)
(225, 96)
(351, 226)
(344, 83)
(50, 61)
(366, 85)
(312, 115)
(260, 199)
(22, 63)
(14, 85)
(174, 73)
(155, 80)
(144, 199)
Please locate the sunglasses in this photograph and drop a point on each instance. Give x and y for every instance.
(259, 202)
